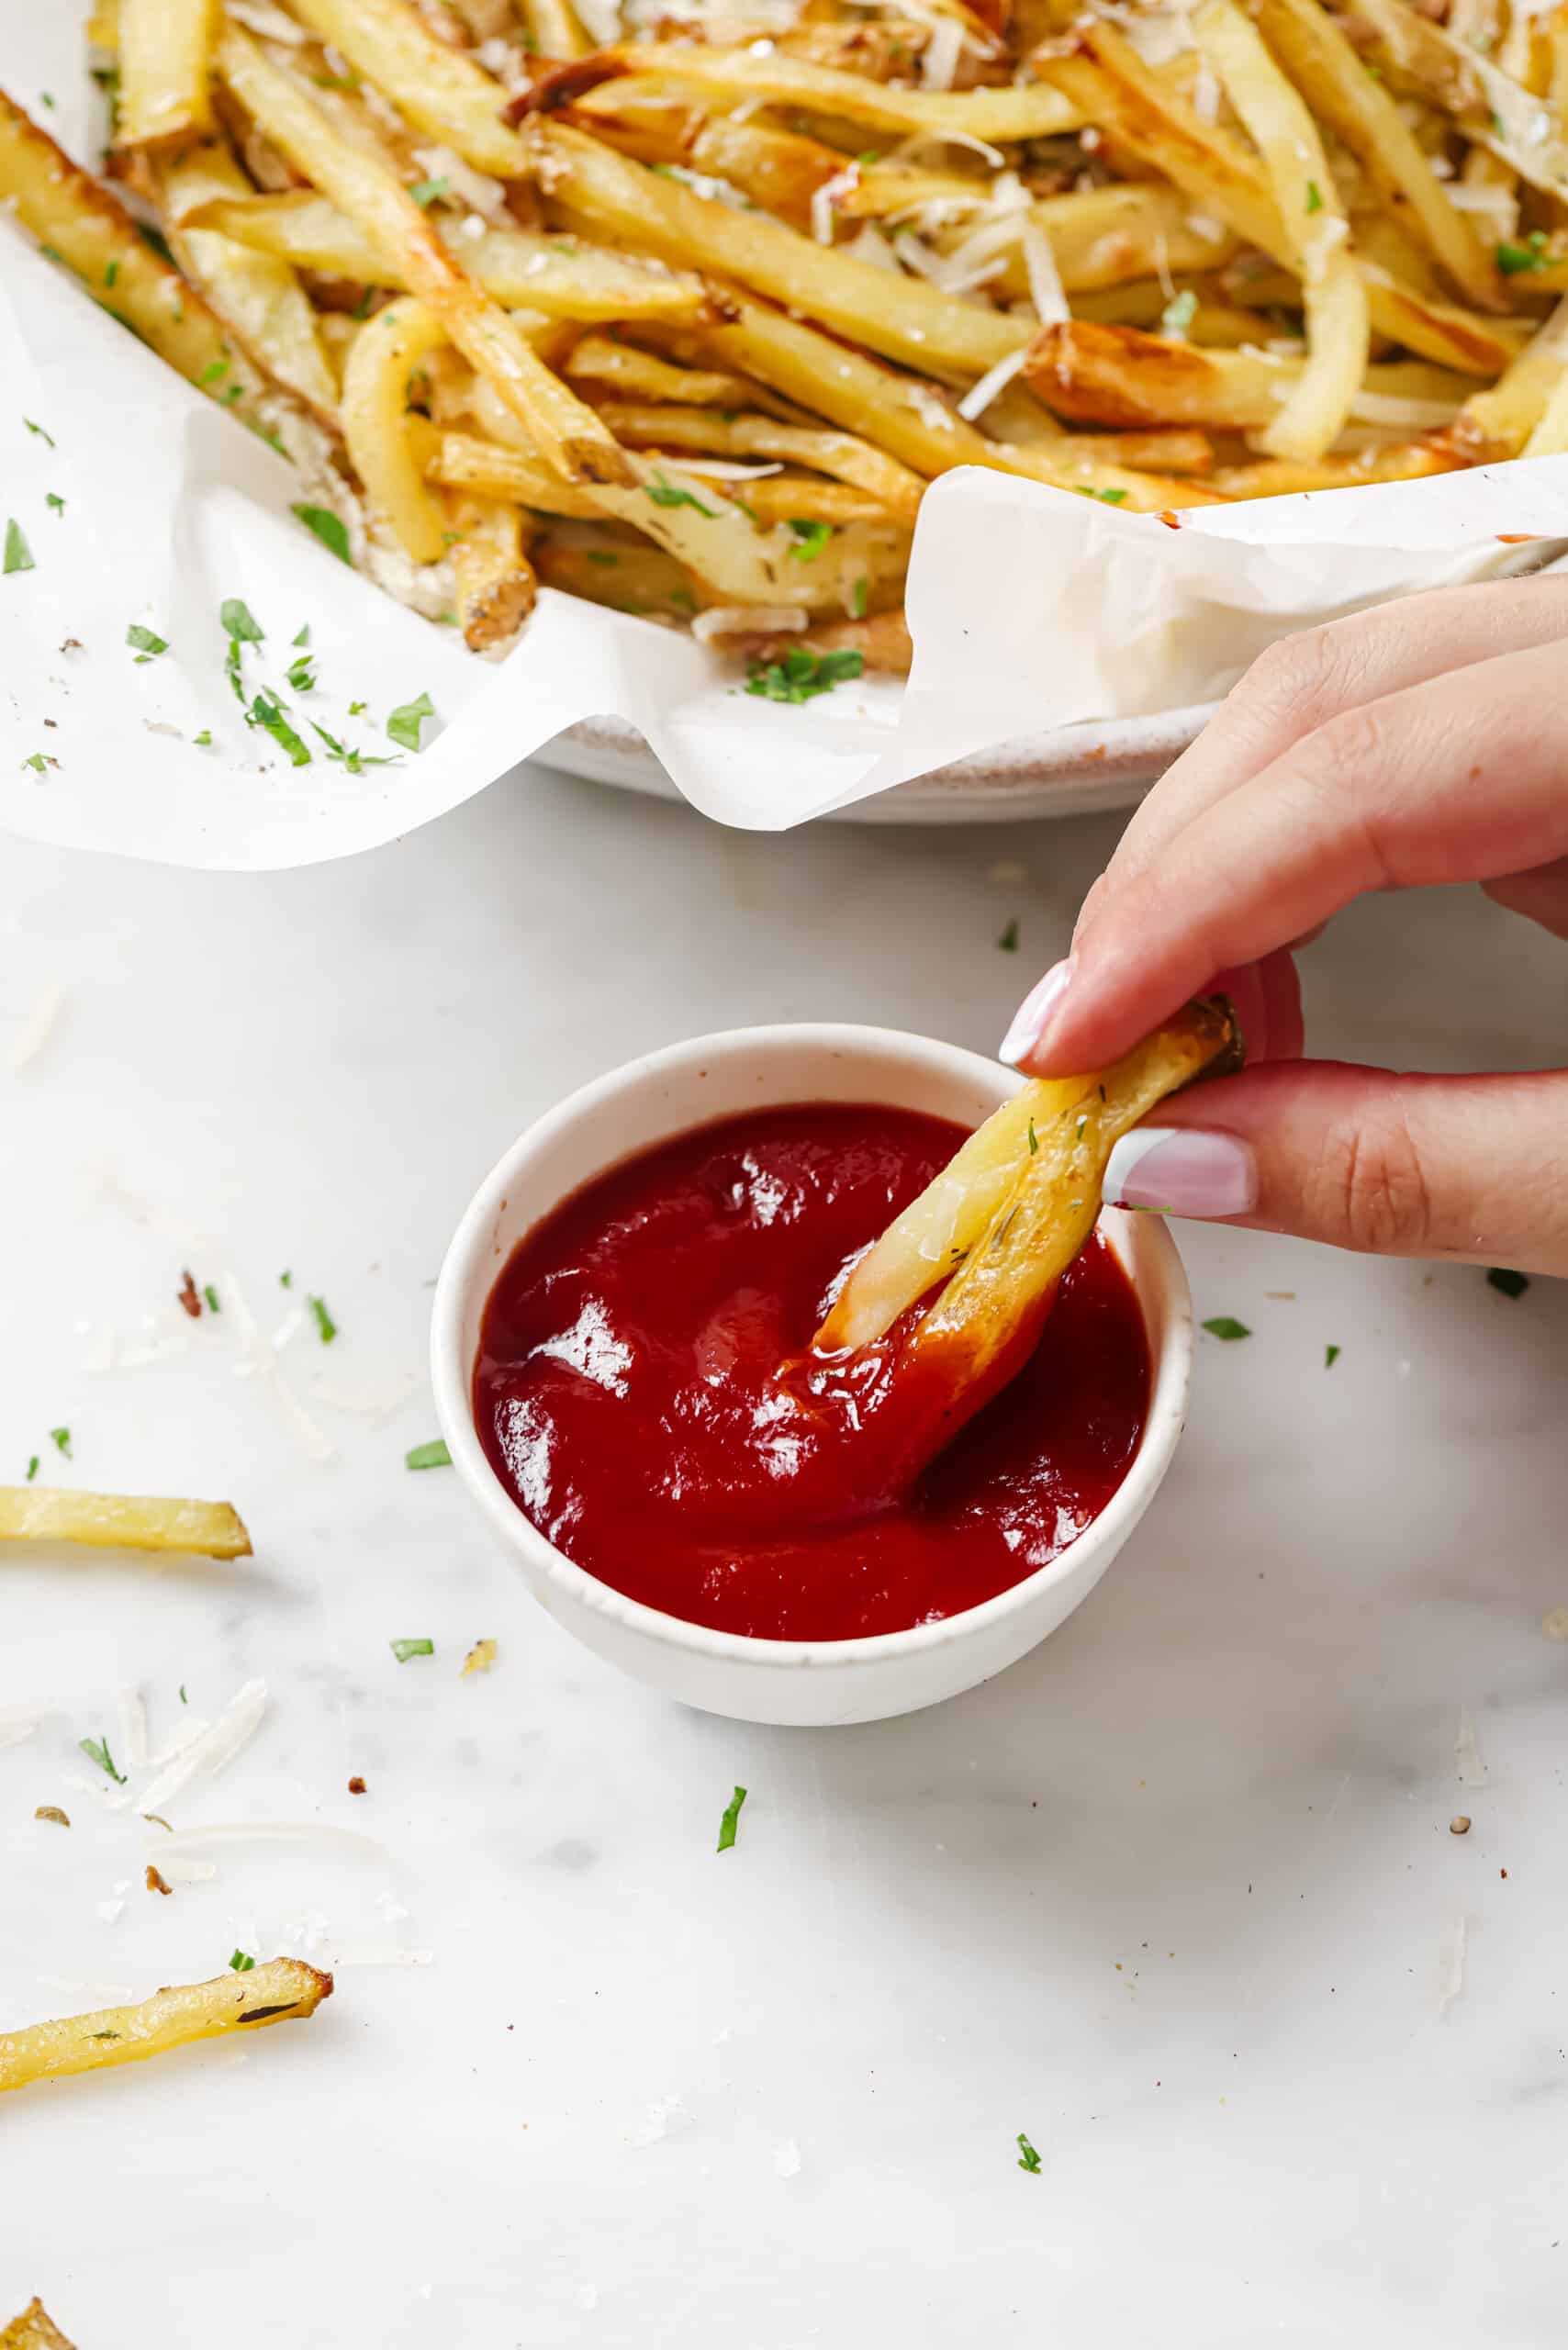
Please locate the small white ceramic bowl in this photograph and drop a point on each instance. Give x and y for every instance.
(796, 1682)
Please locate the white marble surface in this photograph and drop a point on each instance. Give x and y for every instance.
(1177, 1896)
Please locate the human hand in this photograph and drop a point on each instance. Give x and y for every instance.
(1425, 742)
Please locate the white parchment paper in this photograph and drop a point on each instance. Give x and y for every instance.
(1032, 608)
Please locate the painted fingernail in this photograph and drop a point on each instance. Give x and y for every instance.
(1182, 1170)
(1034, 1014)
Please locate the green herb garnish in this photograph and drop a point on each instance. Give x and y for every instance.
(604, 562)
(146, 641)
(1512, 1285)
(213, 373)
(1533, 254)
(61, 1439)
(204, 739)
(403, 724)
(665, 493)
(1330, 1357)
(285, 1281)
(39, 763)
(858, 596)
(56, 505)
(330, 527)
(1027, 2159)
(801, 675)
(353, 761)
(157, 239)
(323, 1319)
(1008, 942)
(214, 1305)
(300, 675)
(810, 540)
(1179, 313)
(40, 431)
(266, 712)
(404, 1649)
(427, 191)
(1314, 197)
(32, 1467)
(1226, 1325)
(239, 627)
(732, 1815)
(1034, 1140)
(97, 1751)
(303, 637)
(434, 1455)
(242, 1962)
(18, 555)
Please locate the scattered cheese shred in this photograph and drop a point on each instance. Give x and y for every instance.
(1052, 305)
(214, 1751)
(979, 397)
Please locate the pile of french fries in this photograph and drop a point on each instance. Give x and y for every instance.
(679, 306)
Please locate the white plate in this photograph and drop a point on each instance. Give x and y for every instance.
(1072, 772)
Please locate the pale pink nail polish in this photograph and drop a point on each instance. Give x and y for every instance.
(1034, 1014)
(1182, 1170)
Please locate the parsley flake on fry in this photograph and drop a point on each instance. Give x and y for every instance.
(801, 675)
(666, 493)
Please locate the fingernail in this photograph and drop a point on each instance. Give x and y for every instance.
(1182, 1170)
(1032, 1015)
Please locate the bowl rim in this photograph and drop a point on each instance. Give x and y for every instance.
(469, 1257)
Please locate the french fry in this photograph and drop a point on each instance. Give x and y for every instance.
(1489, 107)
(494, 583)
(1104, 236)
(121, 1521)
(554, 29)
(567, 432)
(33, 2330)
(440, 88)
(1280, 477)
(384, 355)
(839, 455)
(1119, 376)
(258, 297)
(163, 46)
(277, 1992)
(882, 641)
(806, 497)
(87, 228)
(564, 277)
(902, 317)
(1308, 202)
(640, 374)
(1331, 77)
(1502, 422)
(619, 574)
(1030, 111)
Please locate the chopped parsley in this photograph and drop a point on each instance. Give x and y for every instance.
(39, 762)
(604, 562)
(96, 1749)
(146, 641)
(427, 191)
(1034, 1140)
(40, 431)
(1330, 1357)
(285, 1281)
(213, 1303)
(304, 636)
(1027, 2159)
(204, 739)
(1226, 1325)
(61, 1439)
(1008, 942)
(1512, 259)
(111, 272)
(810, 540)
(1179, 313)
(242, 1962)
(214, 372)
(665, 493)
(239, 627)
(32, 1467)
(404, 1649)
(183, 1699)
(322, 1318)
(1512, 1285)
(858, 596)
(157, 239)
(802, 676)
(731, 1816)
(55, 504)
(1314, 197)
(301, 676)
(266, 712)
(403, 724)
(357, 709)
(330, 527)
(353, 761)
(434, 1455)
(18, 555)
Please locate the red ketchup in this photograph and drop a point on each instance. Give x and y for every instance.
(628, 1391)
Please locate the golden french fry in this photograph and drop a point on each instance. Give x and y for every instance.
(276, 1992)
(882, 641)
(258, 297)
(121, 1521)
(840, 455)
(975, 1333)
(1334, 293)
(1502, 421)
(619, 573)
(462, 461)
(494, 582)
(1278, 478)
(1488, 105)
(1119, 376)
(641, 374)
(1031, 110)
(164, 49)
(441, 88)
(365, 187)
(33, 2330)
(384, 355)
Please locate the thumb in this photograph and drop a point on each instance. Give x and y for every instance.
(1457, 1167)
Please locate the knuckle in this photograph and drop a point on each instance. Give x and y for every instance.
(1303, 675)
(1373, 1190)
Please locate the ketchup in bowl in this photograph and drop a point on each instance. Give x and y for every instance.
(628, 1391)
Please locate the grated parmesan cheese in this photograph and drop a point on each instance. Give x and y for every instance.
(979, 397)
(944, 48)
(214, 1751)
(267, 22)
(1387, 407)
(1052, 305)
(747, 620)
